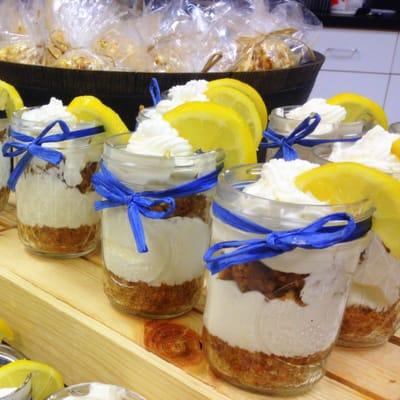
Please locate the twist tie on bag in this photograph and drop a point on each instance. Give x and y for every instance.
(29, 147)
(116, 194)
(285, 144)
(316, 235)
(155, 92)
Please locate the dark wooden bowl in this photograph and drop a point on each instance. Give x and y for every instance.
(126, 91)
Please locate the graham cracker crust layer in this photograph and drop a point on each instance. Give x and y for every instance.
(271, 283)
(363, 327)
(262, 372)
(156, 301)
(4, 194)
(59, 241)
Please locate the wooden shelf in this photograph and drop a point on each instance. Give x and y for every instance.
(62, 317)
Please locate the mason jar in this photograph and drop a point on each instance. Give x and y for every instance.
(280, 123)
(372, 313)
(94, 390)
(5, 164)
(270, 325)
(167, 280)
(55, 203)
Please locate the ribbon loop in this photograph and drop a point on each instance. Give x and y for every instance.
(285, 143)
(155, 91)
(30, 146)
(149, 204)
(320, 234)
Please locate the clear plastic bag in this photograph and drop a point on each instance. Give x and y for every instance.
(22, 34)
(74, 26)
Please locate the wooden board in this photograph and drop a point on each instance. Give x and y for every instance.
(62, 317)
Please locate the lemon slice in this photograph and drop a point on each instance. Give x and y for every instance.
(209, 126)
(396, 148)
(90, 108)
(249, 91)
(360, 108)
(242, 104)
(10, 100)
(45, 379)
(6, 332)
(346, 183)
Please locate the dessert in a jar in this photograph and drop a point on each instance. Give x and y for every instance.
(52, 180)
(95, 391)
(276, 299)
(373, 310)
(343, 118)
(5, 164)
(155, 222)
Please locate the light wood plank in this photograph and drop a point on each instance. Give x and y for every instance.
(76, 285)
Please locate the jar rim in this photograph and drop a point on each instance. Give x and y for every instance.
(118, 145)
(255, 169)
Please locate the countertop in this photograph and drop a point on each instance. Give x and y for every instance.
(376, 22)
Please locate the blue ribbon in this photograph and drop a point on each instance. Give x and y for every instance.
(32, 147)
(155, 92)
(116, 194)
(285, 143)
(314, 236)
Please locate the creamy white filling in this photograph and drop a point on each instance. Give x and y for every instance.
(176, 247)
(376, 283)
(156, 137)
(373, 150)
(331, 115)
(44, 200)
(6, 391)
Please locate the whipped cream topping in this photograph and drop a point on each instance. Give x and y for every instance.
(156, 137)
(373, 150)
(277, 182)
(48, 113)
(331, 115)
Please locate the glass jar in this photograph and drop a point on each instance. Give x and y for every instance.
(5, 165)
(270, 325)
(167, 280)
(372, 314)
(98, 391)
(281, 124)
(55, 203)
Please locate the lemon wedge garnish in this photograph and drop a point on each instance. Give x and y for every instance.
(360, 108)
(346, 183)
(242, 104)
(6, 332)
(10, 100)
(45, 379)
(249, 91)
(209, 126)
(396, 148)
(90, 108)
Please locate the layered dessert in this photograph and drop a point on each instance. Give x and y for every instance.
(55, 203)
(95, 391)
(5, 165)
(269, 325)
(166, 280)
(373, 311)
(283, 120)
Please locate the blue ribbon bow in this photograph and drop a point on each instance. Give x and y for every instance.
(314, 236)
(116, 194)
(155, 92)
(32, 147)
(285, 143)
